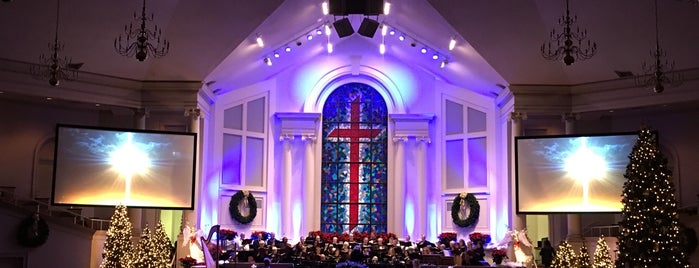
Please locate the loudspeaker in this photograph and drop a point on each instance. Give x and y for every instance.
(343, 27)
(364, 7)
(368, 27)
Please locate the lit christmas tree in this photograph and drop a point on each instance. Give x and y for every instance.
(118, 247)
(583, 258)
(144, 253)
(649, 226)
(565, 256)
(163, 246)
(601, 258)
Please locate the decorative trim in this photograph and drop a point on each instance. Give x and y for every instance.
(412, 125)
(298, 124)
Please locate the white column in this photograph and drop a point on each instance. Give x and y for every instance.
(519, 222)
(136, 214)
(189, 217)
(574, 235)
(309, 201)
(420, 158)
(287, 214)
(399, 185)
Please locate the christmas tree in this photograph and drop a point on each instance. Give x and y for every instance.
(583, 258)
(649, 226)
(163, 246)
(601, 258)
(144, 254)
(565, 256)
(118, 247)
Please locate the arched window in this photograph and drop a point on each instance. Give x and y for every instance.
(354, 168)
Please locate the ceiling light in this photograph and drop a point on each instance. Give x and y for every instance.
(382, 49)
(54, 67)
(384, 30)
(325, 8)
(309, 37)
(423, 50)
(386, 8)
(660, 72)
(276, 54)
(327, 30)
(268, 61)
(137, 38)
(443, 64)
(319, 32)
(435, 57)
(401, 37)
(452, 44)
(392, 32)
(570, 45)
(287, 49)
(330, 48)
(259, 42)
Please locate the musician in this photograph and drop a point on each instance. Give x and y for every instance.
(423, 243)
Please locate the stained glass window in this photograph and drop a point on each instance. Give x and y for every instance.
(354, 169)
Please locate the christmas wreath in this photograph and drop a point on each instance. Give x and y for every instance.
(475, 209)
(33, 231)
(245, 197)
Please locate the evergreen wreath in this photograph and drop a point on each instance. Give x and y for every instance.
(472, 203)
(33, 231)
(238, 197)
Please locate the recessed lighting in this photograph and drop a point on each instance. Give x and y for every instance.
(309, 37)
(401, 37)
(423, 50)
(287, 49)
(49, 98)
(97, 105)
(319, 32)
(392, 32)
(435, 57)
(276, 54)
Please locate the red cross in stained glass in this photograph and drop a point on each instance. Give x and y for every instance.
(354, 133)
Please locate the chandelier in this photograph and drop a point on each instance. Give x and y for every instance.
(54, 67)
(569, 44)
(137, 39)
(660, 72)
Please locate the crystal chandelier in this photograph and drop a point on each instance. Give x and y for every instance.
(54, 67)
(660, 72)
(137, 39)
(572, 46)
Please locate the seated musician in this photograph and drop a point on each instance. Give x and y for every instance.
(423, 243)
(356, 259)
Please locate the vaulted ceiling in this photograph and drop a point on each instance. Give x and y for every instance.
(213, 41)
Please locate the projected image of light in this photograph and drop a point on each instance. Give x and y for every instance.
(128, 160)
(136, 168)
(585, 165)
(570, 174)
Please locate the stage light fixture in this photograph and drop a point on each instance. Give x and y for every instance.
(343, 27)
(260, 43)
(452, 44)
(368, 27)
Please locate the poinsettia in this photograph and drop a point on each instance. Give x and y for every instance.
(447, 236)
(499, 253)
(479, 237)
(228, 234)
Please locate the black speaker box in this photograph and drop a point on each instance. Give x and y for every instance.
(368, 27)
(343, 27)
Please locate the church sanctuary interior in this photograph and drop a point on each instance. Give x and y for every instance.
(313, 125)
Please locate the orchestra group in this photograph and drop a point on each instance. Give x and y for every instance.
(376, 251)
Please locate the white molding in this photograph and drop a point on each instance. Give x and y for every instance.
(298, 124)
(412, 125)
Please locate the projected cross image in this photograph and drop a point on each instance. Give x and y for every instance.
(572, 174)
(137, 169)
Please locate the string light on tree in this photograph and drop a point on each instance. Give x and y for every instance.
(601, 258)
(117, 246)
(565, 256)
(650, 224)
